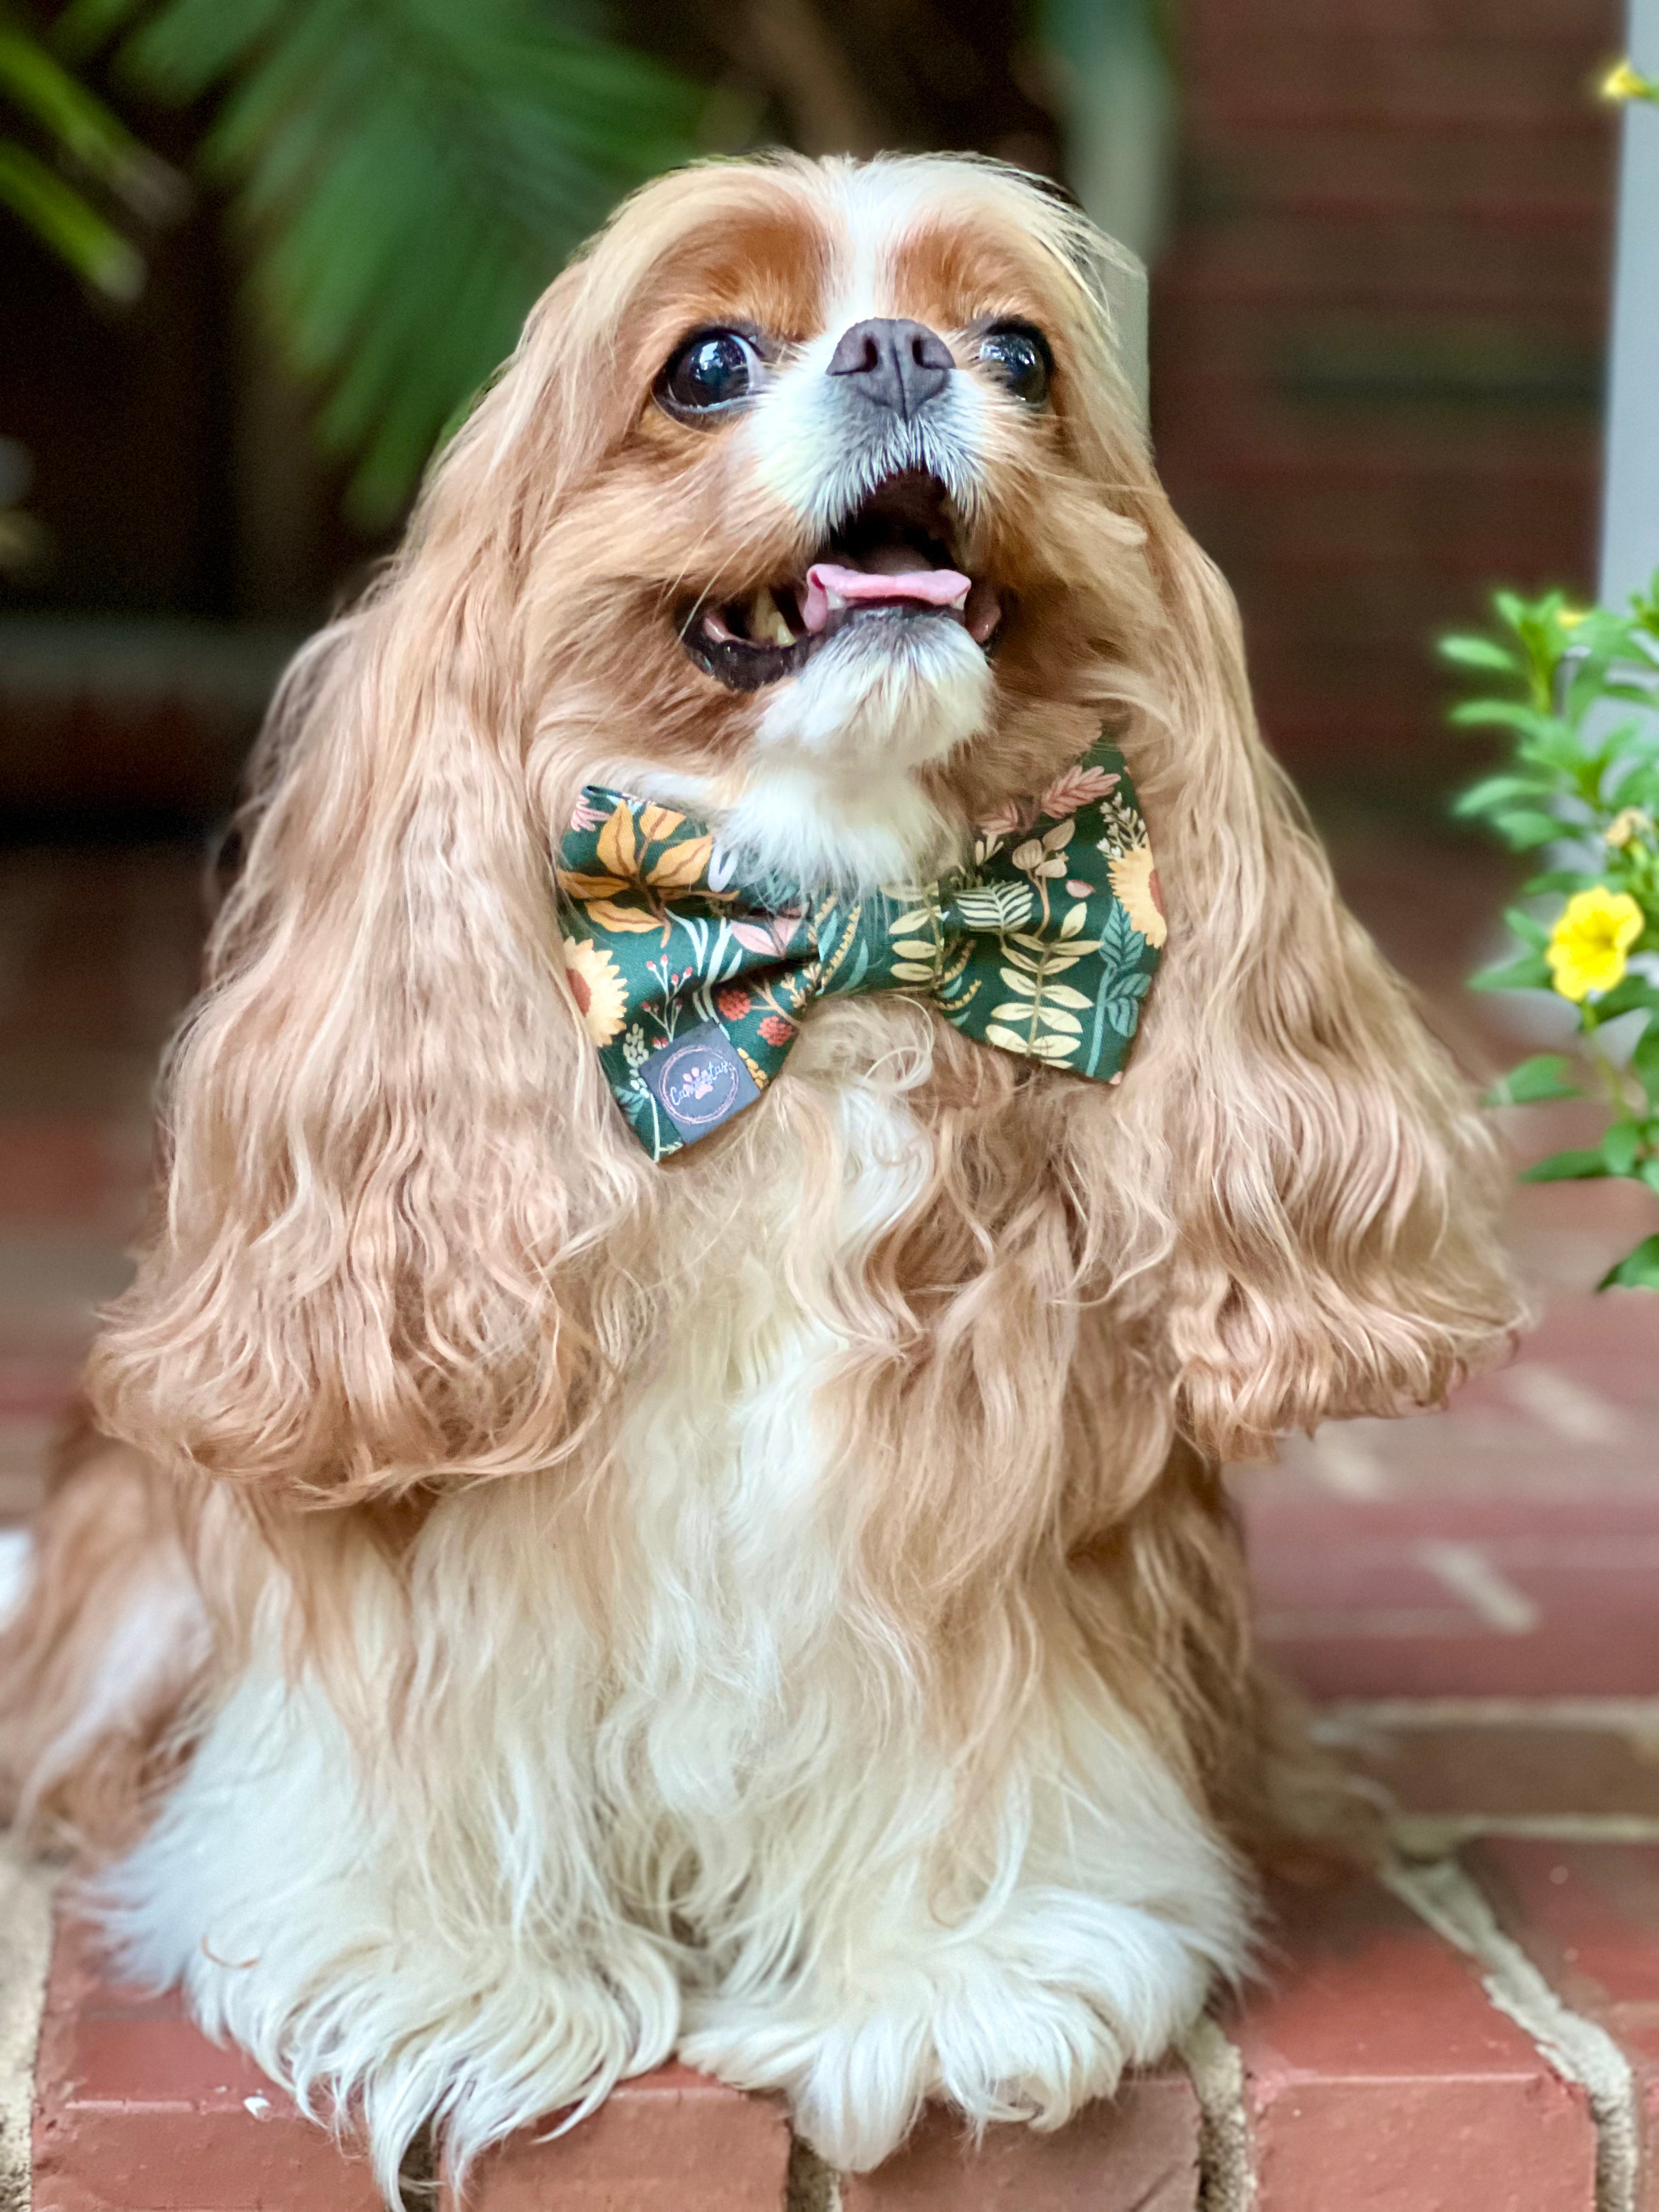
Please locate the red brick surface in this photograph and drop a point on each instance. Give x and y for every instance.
(1512, 1767)
(1588, 1916)
(669, 2142)
(1138, 2152)
(1353, 1603)
(1379, 2079)
(137, 2112)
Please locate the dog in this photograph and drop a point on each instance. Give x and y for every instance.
(529, 1600)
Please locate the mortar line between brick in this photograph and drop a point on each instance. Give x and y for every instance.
(1433, 1835)
(25, 1958)
(1465, 1571)
(1454, 1904)
(1637, 1714)
(812, 2186)
(1215, 2067)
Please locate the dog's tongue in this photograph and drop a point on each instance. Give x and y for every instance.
(829, 586)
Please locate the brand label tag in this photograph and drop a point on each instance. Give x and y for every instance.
(699, 1081)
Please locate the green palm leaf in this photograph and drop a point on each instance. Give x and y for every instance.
(411, 174)
(82, 133)
(66, 222)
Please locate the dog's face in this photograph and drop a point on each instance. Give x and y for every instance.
(837, 558)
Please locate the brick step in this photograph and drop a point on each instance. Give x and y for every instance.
(1478, 2033)
(1478, 1596)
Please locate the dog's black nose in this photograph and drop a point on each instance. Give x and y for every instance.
(898, 365)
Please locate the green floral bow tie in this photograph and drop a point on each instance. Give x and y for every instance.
(693, 984)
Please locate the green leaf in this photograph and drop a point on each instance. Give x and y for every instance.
(83, 130)
(1524, 827)
(1498, 790)
(1507, 714)
(1526, 926)
(1636, 1271)
(1644, 1064)
(1560, 879)
(1544, 1076)
(411, 174)
(1636, 784)
(1530, 973)
(1565, 1167)
(79, 30)
(1619, 1147)
(1479, 653)
(64, 221)
(1625, 996)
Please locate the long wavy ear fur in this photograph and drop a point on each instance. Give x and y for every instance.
(1334, 1190)
(380, 1191)
(1299, 1193)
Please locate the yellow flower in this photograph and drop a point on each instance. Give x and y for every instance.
(595, 985)
(1587, 947)
(1135, 881)
(1623, 81)
(1570, 617)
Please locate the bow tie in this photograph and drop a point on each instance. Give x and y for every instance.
(692, 984)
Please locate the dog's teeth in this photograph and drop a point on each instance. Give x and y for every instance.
(766, 623)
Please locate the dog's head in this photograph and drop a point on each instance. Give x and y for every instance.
(815, 500)
(833, 529)
(817, 476)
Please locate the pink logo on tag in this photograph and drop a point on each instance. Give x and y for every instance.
(699, 1081)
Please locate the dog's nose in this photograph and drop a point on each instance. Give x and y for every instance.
(893, 364)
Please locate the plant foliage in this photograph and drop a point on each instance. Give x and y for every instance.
(1577, 695)
(411, 174)
(81, 157)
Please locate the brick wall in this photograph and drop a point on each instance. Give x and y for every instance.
(1378, 338)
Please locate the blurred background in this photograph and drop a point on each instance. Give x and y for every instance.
(1380, 234)
(254, 256)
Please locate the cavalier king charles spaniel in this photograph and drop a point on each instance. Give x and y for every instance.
(525, 1601)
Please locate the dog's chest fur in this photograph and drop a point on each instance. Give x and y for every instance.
(726, 1458)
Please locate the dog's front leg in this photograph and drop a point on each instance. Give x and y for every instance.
(1004, 1936)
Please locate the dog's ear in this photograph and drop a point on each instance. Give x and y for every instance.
(387, 1144)
(1331, 1190)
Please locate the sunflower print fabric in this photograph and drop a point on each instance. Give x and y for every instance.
(693, 984)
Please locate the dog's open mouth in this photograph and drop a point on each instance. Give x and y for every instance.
(897, 557)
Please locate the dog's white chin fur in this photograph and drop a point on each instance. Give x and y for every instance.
(493, 1925)
(831, 798)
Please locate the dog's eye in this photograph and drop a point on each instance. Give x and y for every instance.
(1018, 357)
(716, 368)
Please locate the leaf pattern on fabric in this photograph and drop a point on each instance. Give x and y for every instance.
(997, 906)
(1029, 948)
(775, 934)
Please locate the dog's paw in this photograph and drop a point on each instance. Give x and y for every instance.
(1028, 2025)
